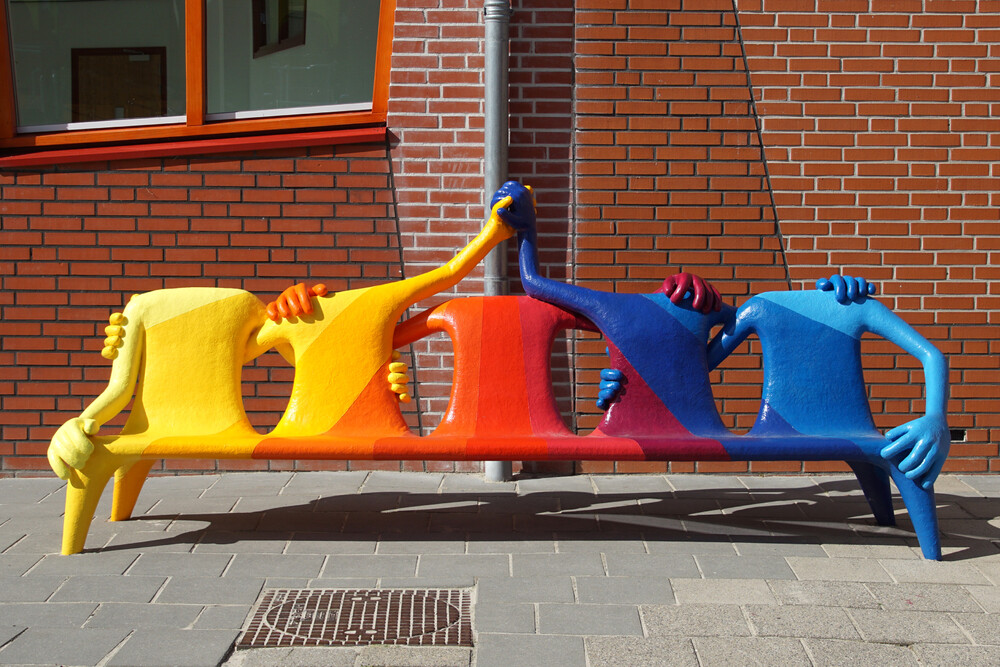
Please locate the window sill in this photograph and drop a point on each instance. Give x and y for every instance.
(195, 147)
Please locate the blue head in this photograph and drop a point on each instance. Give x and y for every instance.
(520, 213)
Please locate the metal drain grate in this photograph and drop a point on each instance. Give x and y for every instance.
(330, 617)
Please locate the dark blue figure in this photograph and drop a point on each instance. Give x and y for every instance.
(814, 400)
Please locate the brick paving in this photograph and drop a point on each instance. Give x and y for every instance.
(588, 570)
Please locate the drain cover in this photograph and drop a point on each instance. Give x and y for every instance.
(334, 617)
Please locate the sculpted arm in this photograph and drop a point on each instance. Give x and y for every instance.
(70, 446)
(920, 446)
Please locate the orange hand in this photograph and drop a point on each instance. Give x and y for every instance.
(294, 301)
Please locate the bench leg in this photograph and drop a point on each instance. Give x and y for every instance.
(82, 495)
(128, 484)
(875, 485)
(923, 513)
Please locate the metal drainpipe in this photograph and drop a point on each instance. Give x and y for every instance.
(497, 19)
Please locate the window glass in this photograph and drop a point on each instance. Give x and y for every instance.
(97, 63)
(280, 57)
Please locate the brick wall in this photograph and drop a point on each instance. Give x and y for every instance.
(881, 125)
(757, 149)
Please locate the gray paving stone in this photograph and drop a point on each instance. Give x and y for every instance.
(242, 542)
(588, 619)
(332, 543)
(188, 506)
(41, 541)
(908, 627)
(9, 537)
(837, 569)
(602, 542)
(988, 485)
(381, 481)
(442, 581)
(14, 565)
(624, 590)
(988, 597)
(504, 618)
(941, 655)
(153, 541)
(29, 589)
(159, 485)
(325, 483)
(782, 548)
(108, 589)
(934, 572)
(824, 593)
(223, 617)
(481, 565)
(924, 597)
(744, 567)
(8, 632)
(694, 620)
(640, 652)
(455, 483)
(702, 482)
(46, 614)
(556, 522)
(560, 484)
(533, 565)
(380, 523)
(991, 570)
(175, 648)
(983, 628)
(27, 491)
(652, 565)
(64, 646)
(446, 545)
(541, 545)
(305, 521)
(249, 484)
(370, 566)
(486, 524)
(838, 653)
(169, 564)
(210, 590)
(750, 651)
(500, 650)
(900, 550)
(275, 565)
(511, 590)
(129, 615)
(799, 621)
(722, 591)
(692, 547)
(415, 656)
(631, 485)
(328, 656)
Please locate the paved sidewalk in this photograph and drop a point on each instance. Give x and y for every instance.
(586, 570)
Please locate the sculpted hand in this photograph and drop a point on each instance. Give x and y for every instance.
(515, 205)
(706, 297)
(398, 378)
(923, 443)
(70, 446)
(294, 301)
(612, 381)
(845, 288)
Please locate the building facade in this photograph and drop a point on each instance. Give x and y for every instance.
(761, 145)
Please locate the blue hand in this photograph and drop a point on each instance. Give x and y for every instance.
(520, 213)
(923, 443)
(845, 288)
(611, 387)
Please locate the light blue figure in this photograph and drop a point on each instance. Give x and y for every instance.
(814, 386)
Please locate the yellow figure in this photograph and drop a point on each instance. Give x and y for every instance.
(181, 351)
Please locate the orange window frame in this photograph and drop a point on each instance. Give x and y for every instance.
(196, 125)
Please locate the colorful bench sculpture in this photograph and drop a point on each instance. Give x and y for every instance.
(182, 351)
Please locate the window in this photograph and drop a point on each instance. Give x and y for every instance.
(76, 72)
